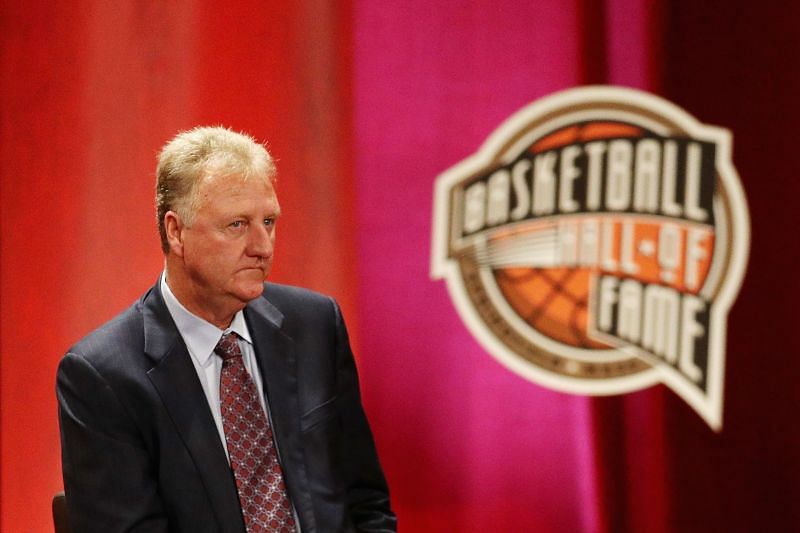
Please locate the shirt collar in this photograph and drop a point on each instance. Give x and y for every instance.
(200, 336)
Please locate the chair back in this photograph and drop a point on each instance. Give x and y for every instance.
(60, 513)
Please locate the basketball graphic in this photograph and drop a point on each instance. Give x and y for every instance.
(595, 243)
(553, 301)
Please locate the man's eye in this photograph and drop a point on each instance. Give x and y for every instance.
(237, 224)
(269, 222)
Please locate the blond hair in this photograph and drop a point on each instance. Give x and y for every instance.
(194, 154)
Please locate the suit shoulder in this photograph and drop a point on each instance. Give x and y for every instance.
(287, 295)
(302, 308)
(123, 332)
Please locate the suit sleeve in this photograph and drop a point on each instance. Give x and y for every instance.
(367, 492)
(109, 479)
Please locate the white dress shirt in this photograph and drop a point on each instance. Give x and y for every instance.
(201, 337)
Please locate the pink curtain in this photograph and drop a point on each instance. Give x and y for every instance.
(364, 104)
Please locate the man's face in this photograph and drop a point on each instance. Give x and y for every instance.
(227, 250)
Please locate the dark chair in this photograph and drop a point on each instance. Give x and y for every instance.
(60, 513)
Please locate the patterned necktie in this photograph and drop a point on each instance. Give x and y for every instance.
(254, 460)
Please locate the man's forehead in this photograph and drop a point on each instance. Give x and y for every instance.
(225, 191)
(232, 183)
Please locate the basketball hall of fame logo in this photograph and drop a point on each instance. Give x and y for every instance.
(595, 243)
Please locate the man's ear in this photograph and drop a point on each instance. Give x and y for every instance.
(174, 227)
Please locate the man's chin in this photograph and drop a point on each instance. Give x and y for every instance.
(251, 291)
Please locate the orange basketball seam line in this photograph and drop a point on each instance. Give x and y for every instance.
(573, 322)
(555, 289)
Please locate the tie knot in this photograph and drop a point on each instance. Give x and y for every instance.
(228, 347)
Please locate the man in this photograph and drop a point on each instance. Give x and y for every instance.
(218, 403)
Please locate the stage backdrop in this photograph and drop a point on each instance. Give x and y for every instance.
(364, 103)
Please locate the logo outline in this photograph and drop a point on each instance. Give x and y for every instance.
(640, 108)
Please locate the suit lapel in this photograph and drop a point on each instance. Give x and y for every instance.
(175, 378)
(277, 361)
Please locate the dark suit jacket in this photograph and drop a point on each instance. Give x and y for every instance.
(140, 449)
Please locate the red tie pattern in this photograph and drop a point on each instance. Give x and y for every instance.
(254, 460)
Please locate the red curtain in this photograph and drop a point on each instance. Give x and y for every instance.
(90, 91)
(364, 103)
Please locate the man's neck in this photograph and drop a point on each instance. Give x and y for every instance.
(188, 298)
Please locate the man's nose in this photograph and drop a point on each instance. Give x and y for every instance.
(260, 242)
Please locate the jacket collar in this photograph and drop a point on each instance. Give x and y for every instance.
(277, 362)
(175, 379)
